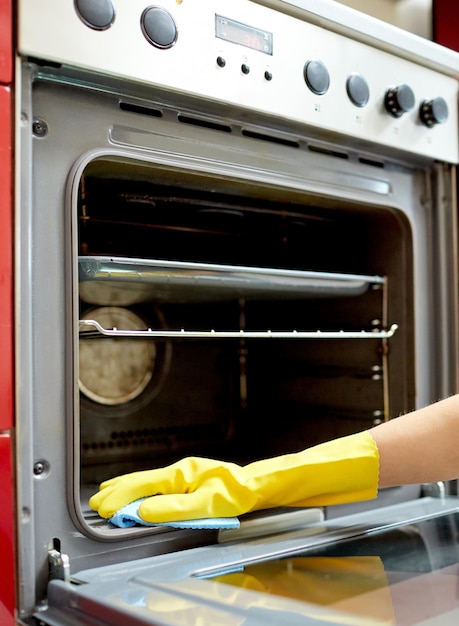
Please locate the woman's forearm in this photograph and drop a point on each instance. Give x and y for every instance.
(420, 447)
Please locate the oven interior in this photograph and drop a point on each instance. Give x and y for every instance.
(274, 303)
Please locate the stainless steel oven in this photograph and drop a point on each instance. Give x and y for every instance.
(236, 236)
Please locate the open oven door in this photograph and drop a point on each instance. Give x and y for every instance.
(378, 567)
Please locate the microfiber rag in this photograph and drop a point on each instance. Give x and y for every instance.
(128, 516)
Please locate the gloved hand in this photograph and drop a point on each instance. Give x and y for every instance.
(335, 472)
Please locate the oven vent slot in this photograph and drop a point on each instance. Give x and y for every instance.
(141, 438)
(271, 138)
(328, 151)
(44, 62)
(196, 121)
(371, 162)
(142, 110)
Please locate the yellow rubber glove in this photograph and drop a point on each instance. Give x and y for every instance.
(335, 472)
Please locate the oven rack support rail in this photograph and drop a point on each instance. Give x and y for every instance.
(92, 329)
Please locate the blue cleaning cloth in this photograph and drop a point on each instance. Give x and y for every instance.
(128, 516)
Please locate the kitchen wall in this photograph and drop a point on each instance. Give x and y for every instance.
(412, 15)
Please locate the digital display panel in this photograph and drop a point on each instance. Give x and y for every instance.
(244, 35)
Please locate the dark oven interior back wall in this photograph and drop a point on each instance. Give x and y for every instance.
(297, 392)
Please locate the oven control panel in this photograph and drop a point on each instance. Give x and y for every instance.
(254, 58)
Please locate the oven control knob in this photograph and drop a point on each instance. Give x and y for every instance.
(159, 27)
(357, 90)
(317, 77)
(97, 14)
(433, 112)
(399, 100)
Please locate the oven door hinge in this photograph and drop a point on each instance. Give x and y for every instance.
(59, 565)
(434, 490)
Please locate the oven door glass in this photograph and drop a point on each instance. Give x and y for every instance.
(397, 566)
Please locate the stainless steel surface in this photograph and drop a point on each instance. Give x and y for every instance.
(359, 525)
(222, 71)
(347, 21)
(193, 587)
(170, 281)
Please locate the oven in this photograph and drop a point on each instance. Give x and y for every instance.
(236, 237)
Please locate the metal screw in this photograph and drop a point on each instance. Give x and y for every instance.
(39, 127)
(39, 468)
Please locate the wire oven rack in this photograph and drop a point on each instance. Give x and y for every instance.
(138, 280)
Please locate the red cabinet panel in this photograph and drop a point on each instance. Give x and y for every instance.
(7, 532)
(6, 44)
(445, 19)
(6, 282)
(7, 556)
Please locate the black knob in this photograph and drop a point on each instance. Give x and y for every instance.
(221, 62)
(159, 27)
(317, 77)
(433, 112)
(268, 75)
(399, 100)
(97, 14)
(245, 69)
